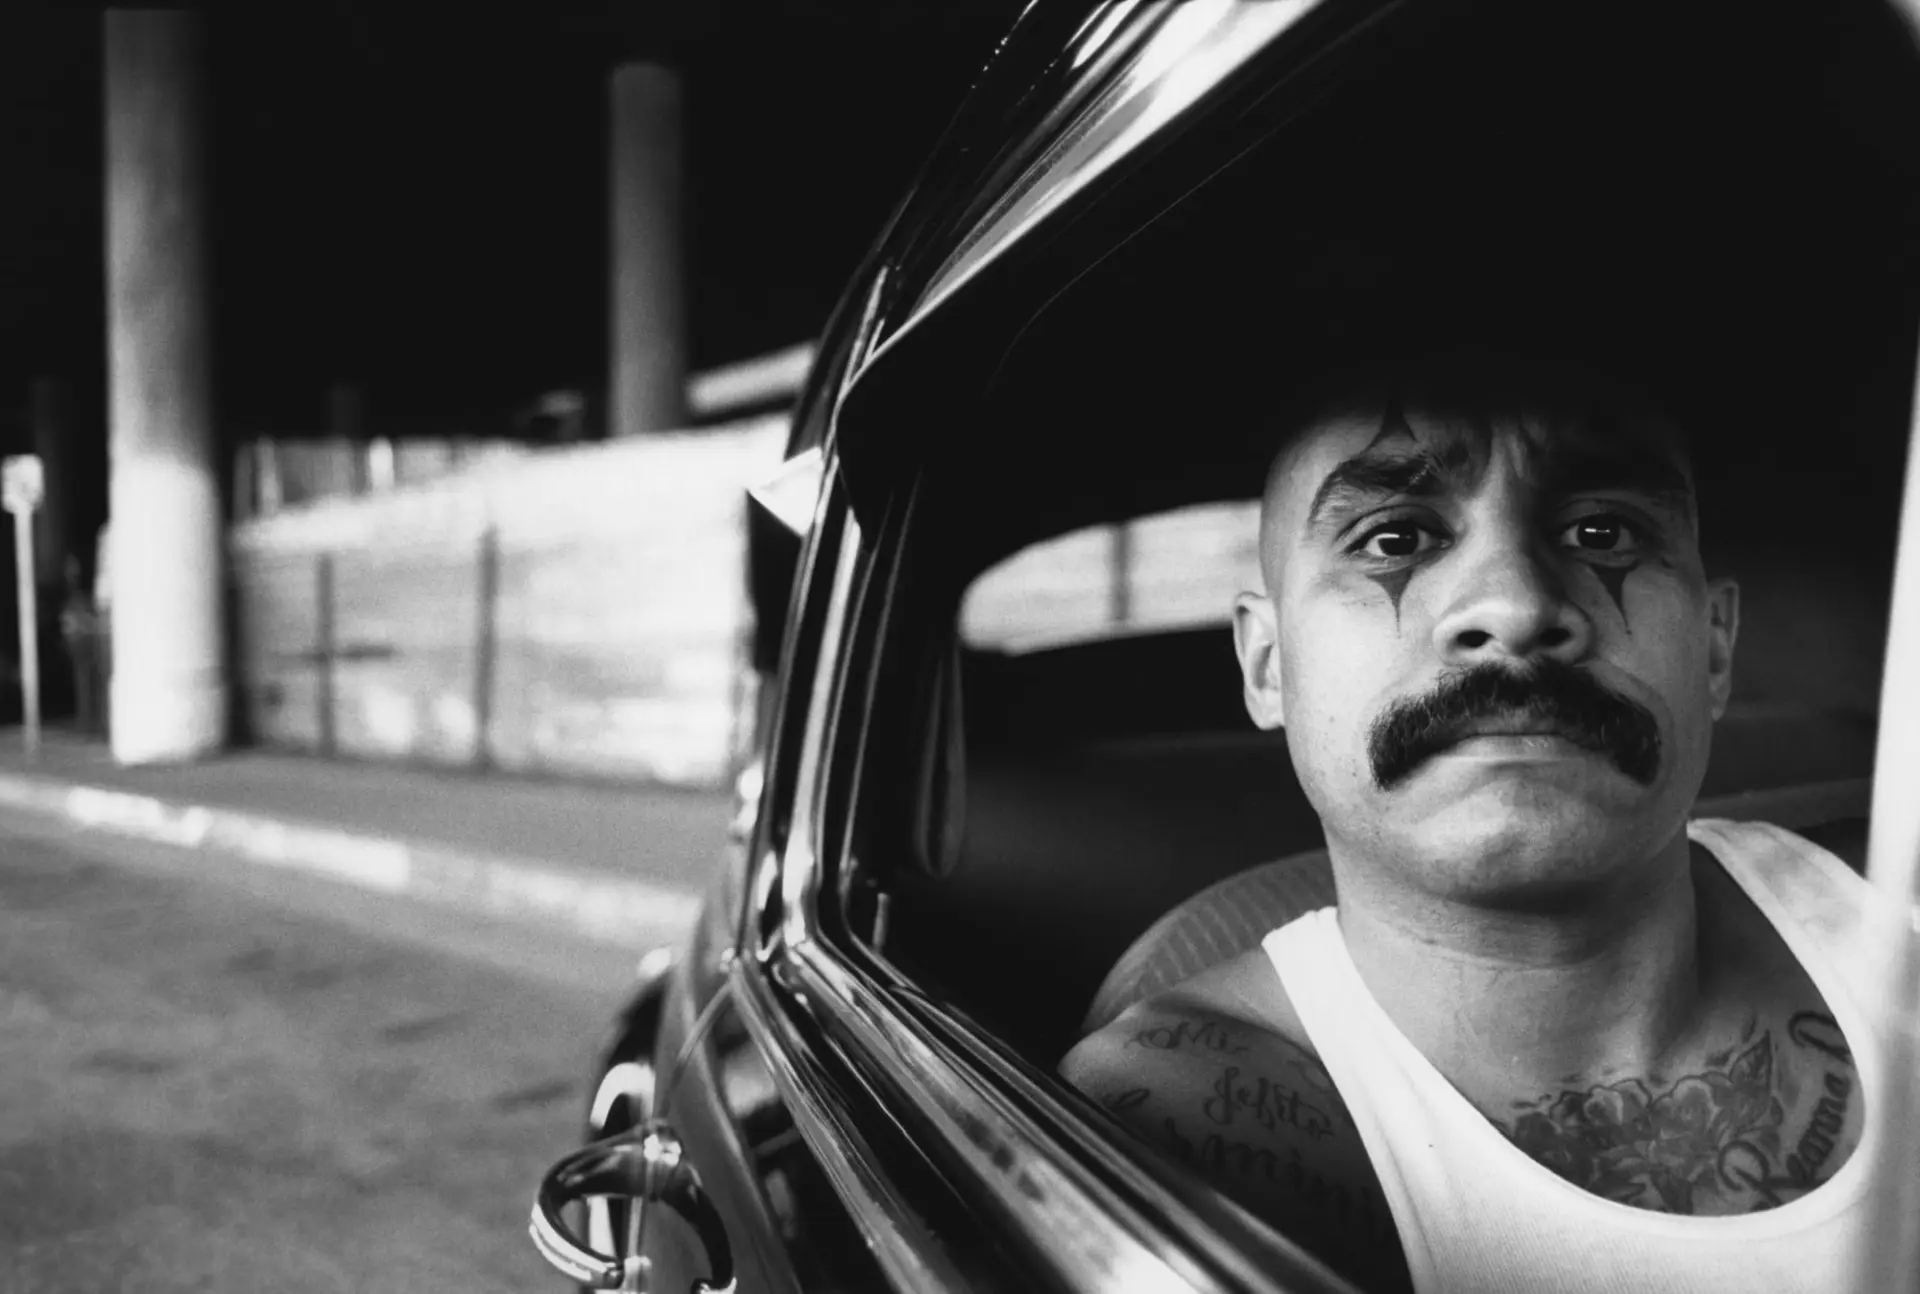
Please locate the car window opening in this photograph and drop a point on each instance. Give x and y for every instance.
(1108, 769)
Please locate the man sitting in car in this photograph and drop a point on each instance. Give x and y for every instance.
(1554, 1036)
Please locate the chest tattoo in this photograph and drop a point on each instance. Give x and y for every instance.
(1715, 1141)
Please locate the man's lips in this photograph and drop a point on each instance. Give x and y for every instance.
(1517, 730)
(1513, 741)
(1511, 725)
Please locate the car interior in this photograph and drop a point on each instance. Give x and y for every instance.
(1117, 823)
(1068, 828)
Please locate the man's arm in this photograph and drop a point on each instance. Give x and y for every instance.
(1255, 1114)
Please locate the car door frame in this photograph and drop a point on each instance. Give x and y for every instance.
(862, 1057)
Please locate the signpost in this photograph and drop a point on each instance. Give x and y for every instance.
(23, 486)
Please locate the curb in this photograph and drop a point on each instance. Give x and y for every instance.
(610, 911)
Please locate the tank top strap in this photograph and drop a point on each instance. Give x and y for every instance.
(1830, 917)
(1338, 1015)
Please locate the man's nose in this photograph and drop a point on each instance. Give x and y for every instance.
(1514, 605)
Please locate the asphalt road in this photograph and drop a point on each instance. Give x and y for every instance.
(213, 1081)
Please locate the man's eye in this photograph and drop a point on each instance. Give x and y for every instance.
(1397, 539)
(1600, 534)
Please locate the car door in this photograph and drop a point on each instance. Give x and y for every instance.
(743, 1088)
(765, 1166)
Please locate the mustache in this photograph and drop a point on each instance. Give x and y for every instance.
(1558, 697)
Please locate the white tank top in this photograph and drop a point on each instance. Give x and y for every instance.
(1477, 1215)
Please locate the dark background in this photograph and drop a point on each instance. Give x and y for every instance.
(415, 200)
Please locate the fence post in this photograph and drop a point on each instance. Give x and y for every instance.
(324, 650)
(245, 500)
(486, 645)
(269, 486)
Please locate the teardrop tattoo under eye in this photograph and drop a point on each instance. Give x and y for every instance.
(1395, 584)
(1613, 579)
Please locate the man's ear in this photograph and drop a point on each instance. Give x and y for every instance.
(1723, 628)
(1256, 641)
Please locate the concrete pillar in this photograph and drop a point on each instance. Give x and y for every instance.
(647, 371)
(169, 670)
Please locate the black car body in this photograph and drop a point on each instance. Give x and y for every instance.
(953, 855)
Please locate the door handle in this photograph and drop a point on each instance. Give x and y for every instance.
(649, 1166)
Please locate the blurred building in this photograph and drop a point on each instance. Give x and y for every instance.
(552, 604)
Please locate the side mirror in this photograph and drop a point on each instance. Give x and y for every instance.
(646, 1166)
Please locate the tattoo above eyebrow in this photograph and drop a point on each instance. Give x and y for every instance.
(1393, 426)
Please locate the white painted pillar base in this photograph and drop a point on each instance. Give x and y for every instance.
(169, 686)
(169, 690)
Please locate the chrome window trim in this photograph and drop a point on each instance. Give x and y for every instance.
(788, 874)
(1191, 47)
(766, 870)
(763, 850)
(799, 873)
(1095, 1235)
(1082, 1228)
(1099, 52)
(905, 1247)
(1247, 1260)
(901, 1241)
(834, 366)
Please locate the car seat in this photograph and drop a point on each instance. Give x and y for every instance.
(1232, 916)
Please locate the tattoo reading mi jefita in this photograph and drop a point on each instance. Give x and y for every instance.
(1198, 1035)
(1268, 1101)
(1231, 1130)
(1719, 1134)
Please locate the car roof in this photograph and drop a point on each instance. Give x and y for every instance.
(1128, 72)
(1064, 303)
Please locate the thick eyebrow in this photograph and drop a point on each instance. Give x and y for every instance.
(1376, 473)
(1578, 470)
